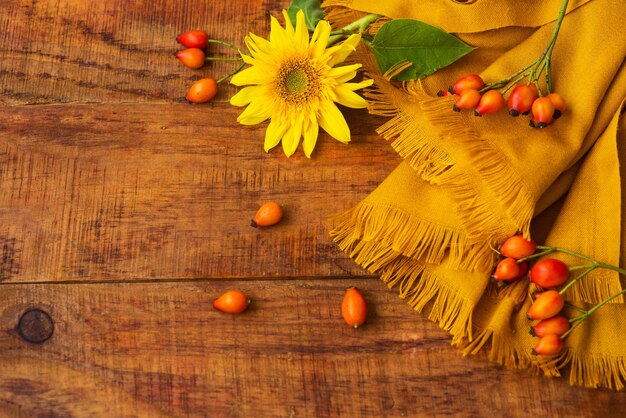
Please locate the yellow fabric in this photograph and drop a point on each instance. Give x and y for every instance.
(467, 183)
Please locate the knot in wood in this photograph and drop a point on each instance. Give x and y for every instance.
(35, 326)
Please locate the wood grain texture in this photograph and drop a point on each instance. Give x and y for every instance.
(120, 208)
(61, 51)
(159, 349)
(122, 192)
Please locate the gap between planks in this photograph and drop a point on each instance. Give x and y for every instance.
(187, 280)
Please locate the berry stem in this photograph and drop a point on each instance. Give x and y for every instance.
(222, 59)
(229, 75)
(596, 263)
(578, 278)
(588, 268)
(544, 62)
(546, 251)
(358, 26)
(580, 318)
(574, 307)
(228, 44)
(533, 70)
(505, 81)
(548, 75)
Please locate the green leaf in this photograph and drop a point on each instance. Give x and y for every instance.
(426, 47)
(312, 9)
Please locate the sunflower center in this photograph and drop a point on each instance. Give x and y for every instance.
(298, 81)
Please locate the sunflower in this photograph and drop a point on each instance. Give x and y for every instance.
(292, 80)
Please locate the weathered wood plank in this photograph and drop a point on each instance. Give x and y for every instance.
(61, 51)
(112, 192)
(160, 347)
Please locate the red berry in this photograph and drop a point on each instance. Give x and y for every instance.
(202, 91)
(546, 305)
(233, 301)
(549, 272)
(354, 308)
(269, 213)
(191, 57)
(507, 269)
(193, 39)
(491, 102)
(559, 104)
(556, 325)
(443, 93)
(548, 345)
(543, 113)
(521, 99)
(469, 81)
(468, 99)
(518, 247)
(523, 269)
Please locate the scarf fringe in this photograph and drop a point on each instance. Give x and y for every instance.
(372, 233)
(594, 371)
(338, 12)
(435, 165)
(506, 186)
(430, 161)
(421, 288)
(506, 355)
(594, 288)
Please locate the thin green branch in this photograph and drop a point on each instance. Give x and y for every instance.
(358, 26)
(227, 76)
(217, 41)
(222, 59)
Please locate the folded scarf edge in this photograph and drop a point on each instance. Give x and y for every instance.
(396, 232)
(435, 165)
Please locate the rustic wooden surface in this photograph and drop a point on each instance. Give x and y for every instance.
(124, 212)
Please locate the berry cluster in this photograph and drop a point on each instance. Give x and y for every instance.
(548, 274)
(473, 94)
(526, 96)
(194, 57)
(195, 42)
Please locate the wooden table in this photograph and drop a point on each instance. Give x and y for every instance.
(124, 212)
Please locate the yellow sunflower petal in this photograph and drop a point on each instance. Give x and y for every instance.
(247, 94)
(277, 32)
(333, 122)
(340, 52)
(356, 86)
(311, 131)
(349, 98)
(319, 39)
(251, 75)
(256, 112)
(295, 113)
(274, 133)
(288, 26)
(247, 58)
(346, 77)
(291, 139)
(256, 44)
(301, 35)
(339, 72)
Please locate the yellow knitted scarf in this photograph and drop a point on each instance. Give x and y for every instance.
(468, 183)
